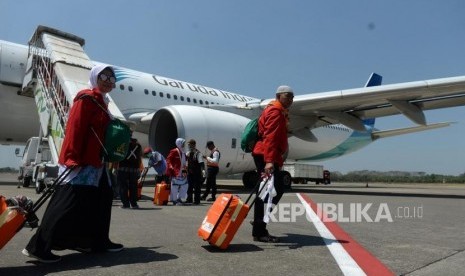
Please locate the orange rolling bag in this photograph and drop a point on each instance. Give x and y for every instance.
(224, 218)
(13, 218)
(162, 193)
(11, 221)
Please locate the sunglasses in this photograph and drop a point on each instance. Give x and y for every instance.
(104, 77)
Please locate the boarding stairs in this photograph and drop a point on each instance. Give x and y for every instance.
(57, 69)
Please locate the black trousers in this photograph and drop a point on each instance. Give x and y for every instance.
(127, 182)
(195, 187)
(211, 181)
(259, 226)
(76, 216)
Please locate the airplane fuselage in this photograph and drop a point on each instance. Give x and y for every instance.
(138, 94)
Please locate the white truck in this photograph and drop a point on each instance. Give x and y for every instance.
(36, 165)
(303, 173)
(293, 173)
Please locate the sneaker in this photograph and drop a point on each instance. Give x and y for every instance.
(203, 198)
(135, 207)
(211, 199)
(124, 207)
(113, 247)
(46, 258)
(267, 238)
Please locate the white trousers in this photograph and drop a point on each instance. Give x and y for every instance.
(178, 192)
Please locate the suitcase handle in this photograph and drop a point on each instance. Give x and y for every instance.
(220, 217)
(49, 191)
(31, 217)
(254, 191)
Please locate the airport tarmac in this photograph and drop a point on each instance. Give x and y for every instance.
(379, 229)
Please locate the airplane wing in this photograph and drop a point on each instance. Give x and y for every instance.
(142, 121)
(399, 131)
(351, 106)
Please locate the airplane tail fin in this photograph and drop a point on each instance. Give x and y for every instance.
(373, 80)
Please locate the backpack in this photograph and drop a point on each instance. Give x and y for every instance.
(133, 156)
(250, 135)
(116, 141)
(117, 137)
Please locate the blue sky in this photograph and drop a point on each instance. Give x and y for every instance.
(251, 47)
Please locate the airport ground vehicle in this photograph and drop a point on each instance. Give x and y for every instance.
(303, 173)
(36, 165)
(294, 173)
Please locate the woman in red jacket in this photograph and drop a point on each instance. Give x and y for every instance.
(78, 215)
(177, 170)
(269, 152)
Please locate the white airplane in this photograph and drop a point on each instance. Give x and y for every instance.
(323, 125)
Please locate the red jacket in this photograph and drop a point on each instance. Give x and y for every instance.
(173, 163)
(80, 146)
(272, 130)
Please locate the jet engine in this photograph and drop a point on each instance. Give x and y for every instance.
(202, 124)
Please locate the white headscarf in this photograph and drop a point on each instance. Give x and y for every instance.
(95, 71)
(179, 143)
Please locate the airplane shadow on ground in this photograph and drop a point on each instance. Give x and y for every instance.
(82, 261)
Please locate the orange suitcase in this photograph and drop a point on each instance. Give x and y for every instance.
(162, 193)
(223, 219)
(11, 221)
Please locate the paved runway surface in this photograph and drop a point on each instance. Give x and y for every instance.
(380, 229)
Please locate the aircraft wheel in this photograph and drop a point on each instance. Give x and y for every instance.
(40, 186)
(27, 181)
(287, 179)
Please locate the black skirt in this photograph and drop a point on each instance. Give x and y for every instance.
(77, 216)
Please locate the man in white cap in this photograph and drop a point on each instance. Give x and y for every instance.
(269, 152)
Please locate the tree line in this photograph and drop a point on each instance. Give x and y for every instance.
(395, 177)
(367, 176)
(8, 170)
